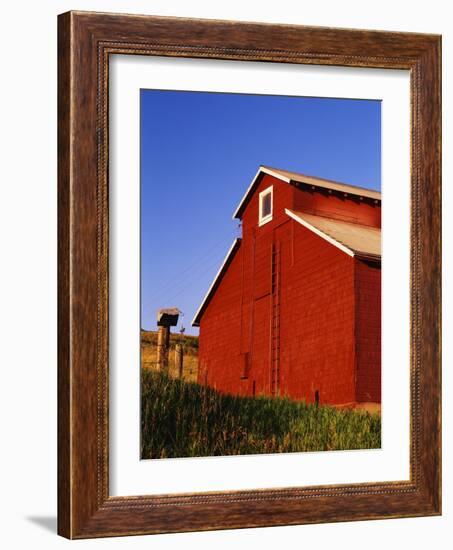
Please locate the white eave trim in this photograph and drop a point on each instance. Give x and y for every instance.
(320, 233)
(195, 320)
(261, 170)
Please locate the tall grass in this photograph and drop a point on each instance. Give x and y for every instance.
(181, 419)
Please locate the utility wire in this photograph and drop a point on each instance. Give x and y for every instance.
(196, 265)
(178, 289)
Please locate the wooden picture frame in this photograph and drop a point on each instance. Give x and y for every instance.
(85, 42)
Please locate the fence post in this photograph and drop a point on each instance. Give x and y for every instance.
(163, 340)
(166, 318)
(179, 361)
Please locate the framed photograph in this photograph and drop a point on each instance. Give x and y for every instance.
(249, 275)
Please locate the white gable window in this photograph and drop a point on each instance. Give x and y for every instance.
(265, 206)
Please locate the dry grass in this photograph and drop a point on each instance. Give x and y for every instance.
(190, 345)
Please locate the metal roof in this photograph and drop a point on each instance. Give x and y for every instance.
(353, 238)
(296, 178)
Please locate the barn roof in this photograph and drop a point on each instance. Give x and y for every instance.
(353, 238)
(226, 262)
(296, 178)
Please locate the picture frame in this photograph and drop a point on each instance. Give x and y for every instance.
(85, 42)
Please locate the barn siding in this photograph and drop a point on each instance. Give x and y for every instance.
(316, 323)
(368, 331)
(259, 368)
(317, 334)
(219, 353)
(322, 203)
(319, 318)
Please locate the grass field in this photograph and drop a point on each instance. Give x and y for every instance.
(183, 419)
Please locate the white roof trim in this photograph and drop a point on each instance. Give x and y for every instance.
(261, 170)
(195, 322)
(326, 237)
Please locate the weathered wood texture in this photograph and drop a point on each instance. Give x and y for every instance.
(85, 42)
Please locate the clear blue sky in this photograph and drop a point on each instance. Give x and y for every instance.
(199, 153)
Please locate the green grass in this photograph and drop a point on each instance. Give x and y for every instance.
(181, 419)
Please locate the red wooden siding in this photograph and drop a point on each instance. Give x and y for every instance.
(220, 333)
(292, 311)
(368, 331)
(317, 338)
(349, 209)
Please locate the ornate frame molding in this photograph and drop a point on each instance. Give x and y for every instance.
(86, 40)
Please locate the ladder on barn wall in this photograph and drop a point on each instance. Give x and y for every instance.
(275, 319)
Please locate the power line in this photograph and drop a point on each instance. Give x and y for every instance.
(179, 288)
(196, 265)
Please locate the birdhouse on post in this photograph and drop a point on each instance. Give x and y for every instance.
(166, 318)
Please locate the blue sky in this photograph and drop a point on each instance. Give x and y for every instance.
(199, 153)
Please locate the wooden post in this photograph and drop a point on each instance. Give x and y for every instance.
(163, 341)
(179, 359)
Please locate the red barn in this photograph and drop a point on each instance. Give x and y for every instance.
(295, 308)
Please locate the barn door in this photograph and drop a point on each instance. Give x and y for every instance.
(260, 345)
(274, 315)
(261, 306)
